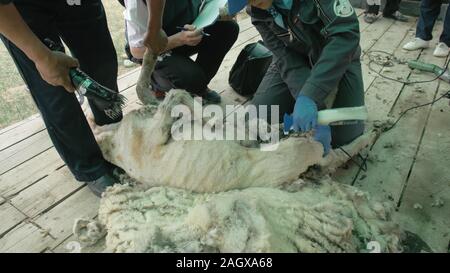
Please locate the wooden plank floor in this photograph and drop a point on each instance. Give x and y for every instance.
(39, 199)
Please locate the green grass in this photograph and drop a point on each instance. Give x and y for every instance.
(15, 101)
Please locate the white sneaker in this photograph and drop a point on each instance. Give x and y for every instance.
(441, 50)
(416, 44)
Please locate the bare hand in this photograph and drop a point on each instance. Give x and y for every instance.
(156, 41)
(54, 69)
(191, 36)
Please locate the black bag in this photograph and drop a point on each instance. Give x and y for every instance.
(250, 68)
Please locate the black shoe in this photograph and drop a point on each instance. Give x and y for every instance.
(412, 243)
(99, 185)
(212, 97)
(398, 16)
(370, 18)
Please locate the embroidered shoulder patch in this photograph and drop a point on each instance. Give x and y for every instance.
(343, 8)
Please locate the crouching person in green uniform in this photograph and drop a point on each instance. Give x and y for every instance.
(316, 62)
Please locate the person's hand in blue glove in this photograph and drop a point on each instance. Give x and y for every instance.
(305, 114)
(322, 134)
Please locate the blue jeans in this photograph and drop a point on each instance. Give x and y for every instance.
(429, 12)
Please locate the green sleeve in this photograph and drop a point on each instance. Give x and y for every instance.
(294, 67)
(341, 31)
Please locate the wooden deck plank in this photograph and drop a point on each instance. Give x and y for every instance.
(27, 238)
(391, 42)
(429, 182)
(59, 220)
(371, 36)
(30, 172)
(393, 151)
(431, 223)
(18, 133)
(46, 193)
(24, 150)
(10, 217)
(380, 99)
(381, 93)
(18, 124)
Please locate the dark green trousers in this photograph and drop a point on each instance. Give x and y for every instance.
(273, 90)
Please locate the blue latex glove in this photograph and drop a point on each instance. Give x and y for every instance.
(305, 114)
(322, 134)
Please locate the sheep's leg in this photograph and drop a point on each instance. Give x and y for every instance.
(143, 86)
(163, 116)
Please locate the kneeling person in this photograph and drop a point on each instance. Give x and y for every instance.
(316, 62)
(177, 69)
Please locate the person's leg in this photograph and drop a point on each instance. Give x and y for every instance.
(181, 72)
(445, 36)
(391, 7)
(85, 31)
(274, 91)
(429, 12)
(60, 110)
(373, 7)
(372, 10)
(350, 94)
(64, 119)
(392, 11)
(212, 49)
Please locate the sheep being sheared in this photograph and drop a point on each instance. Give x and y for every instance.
(142, 145)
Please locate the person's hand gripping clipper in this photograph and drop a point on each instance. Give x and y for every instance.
(109, 101)
(306, 118)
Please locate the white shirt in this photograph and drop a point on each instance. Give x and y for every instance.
(136, 18)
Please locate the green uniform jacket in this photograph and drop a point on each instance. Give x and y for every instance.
(322, 42)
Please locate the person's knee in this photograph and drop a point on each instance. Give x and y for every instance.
(229, 31)
(194, 82)
(232, 30)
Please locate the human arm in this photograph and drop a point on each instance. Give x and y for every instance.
(189, 37)
(155, 38)
(53, 66)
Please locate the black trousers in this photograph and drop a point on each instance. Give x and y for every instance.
(179, 71)
(83, 28)
(389, 9)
